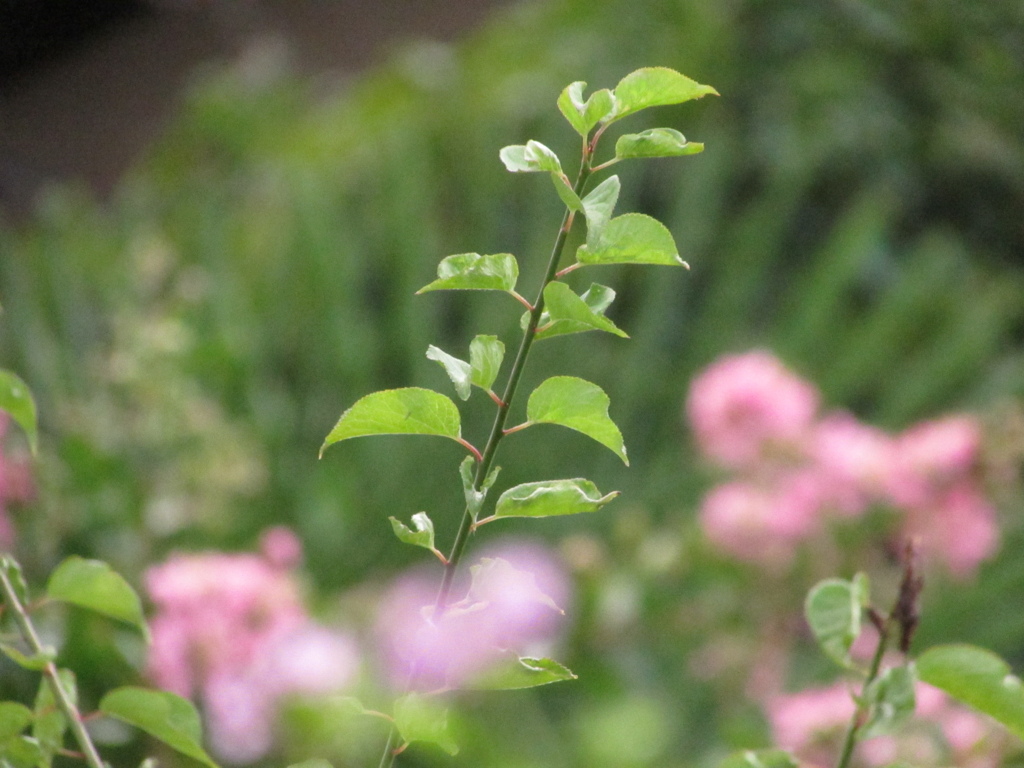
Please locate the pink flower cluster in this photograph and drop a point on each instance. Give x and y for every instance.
(15, 486)
(811, 724)
(512, 604)
(231, 630)
(794, 468)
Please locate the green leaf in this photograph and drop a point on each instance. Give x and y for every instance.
(35, 662)
(473, 272)
(598, 206)
(165, 716)
(12, 570)
(515, 672)
(408, 411)
(976, 677)
(891, 699)
(459, 371)
(565, 312)
(579, 405)
(94, 585)
(16, 399)
(20, 752)
(418, 718)
(50, 723)
(566, 192)
(654, 87)
(475, 497)
(655, 142)
(485, 356)
(422, 532)
(833, 611)
(632, 238)
(315, 762)
(549, 498)
(584, 115)
(14, 718)
(529, 158)
(760, 758)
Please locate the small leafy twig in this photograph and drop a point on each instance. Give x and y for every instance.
(60, 695)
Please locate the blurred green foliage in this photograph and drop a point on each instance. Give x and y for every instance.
(857, 209)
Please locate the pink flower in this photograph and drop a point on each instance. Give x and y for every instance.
(232, 631)
(763, 524)
(745, 406)
(15, 486)
(958, 528)
(931, 456)
(854, 461)
(507, 607)
(811, 723)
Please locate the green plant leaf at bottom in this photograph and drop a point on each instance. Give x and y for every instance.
(16, 399)
(976, 677)
(632, 238)
(407, 411)
(94, 585)
(163, 715)
(419, 718)
(550, 498)
(577, 404)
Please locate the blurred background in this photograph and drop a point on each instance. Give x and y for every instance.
(215, 216)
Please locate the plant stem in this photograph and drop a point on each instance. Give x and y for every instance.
(483, 467)
(62, 697)
(857, 721)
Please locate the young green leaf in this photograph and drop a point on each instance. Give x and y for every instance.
(584, 115)
(566, 192)
(891, 702)
(548, 498)
(598, 206)
(473, 272)
(833, 611)
(485, 356)
(459, 371)
(530, 158)
(632, 238)
(655, 142)
(419, 718)
(165, 716)
(514, 672)
(407, 411)
(475, 497)
(565, 312)
(12, 570)
(654, 87)
(14, 718)
(35, 662)
(50, 724)
(579, 405)
(16, 399)
(976, 677)
(760, 758)
(94, 585)
(422, 532)
(20, 752)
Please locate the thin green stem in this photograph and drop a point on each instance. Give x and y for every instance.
(61, 696)
(857, 721)
(486, 460)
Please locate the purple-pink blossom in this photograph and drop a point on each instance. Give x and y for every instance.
(510, 605)
(745, 407)
(791, 471)
(231, 630)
